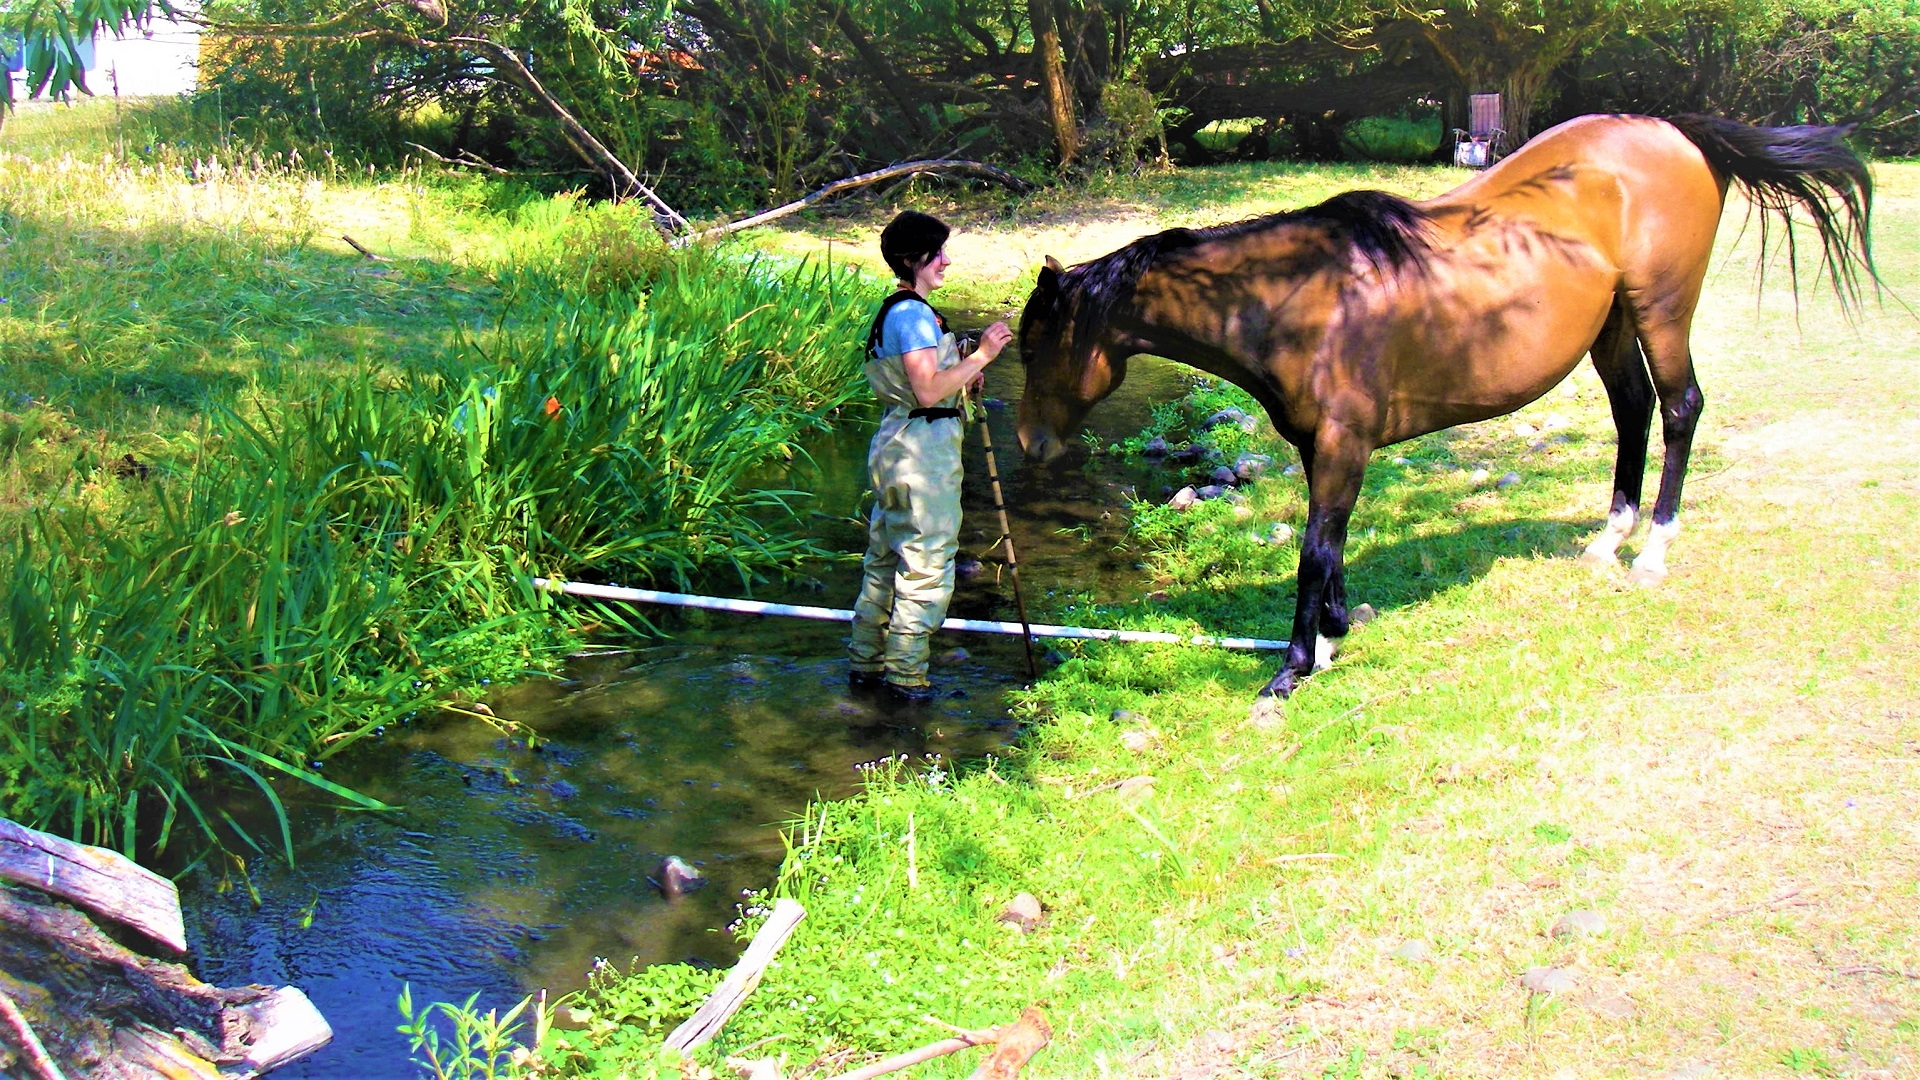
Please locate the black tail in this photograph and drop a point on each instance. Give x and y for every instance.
(1808, 166)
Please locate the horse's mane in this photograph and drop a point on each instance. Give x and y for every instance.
(1382, 229)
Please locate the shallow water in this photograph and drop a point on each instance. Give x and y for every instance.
(512, 869)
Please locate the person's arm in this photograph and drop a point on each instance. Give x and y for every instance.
(931, 386)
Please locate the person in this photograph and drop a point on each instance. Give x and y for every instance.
(916, 370)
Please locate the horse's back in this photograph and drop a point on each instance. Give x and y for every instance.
(1633, 187)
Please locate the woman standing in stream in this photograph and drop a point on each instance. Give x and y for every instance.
(916, 370)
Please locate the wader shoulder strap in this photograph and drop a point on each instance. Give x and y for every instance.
(880, 317)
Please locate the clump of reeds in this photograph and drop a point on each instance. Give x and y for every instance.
(319, 557)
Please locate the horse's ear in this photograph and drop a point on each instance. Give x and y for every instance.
(1049, 282)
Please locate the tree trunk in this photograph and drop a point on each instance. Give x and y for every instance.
(1053, 75)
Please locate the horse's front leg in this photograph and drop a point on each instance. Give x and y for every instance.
(1335, 470)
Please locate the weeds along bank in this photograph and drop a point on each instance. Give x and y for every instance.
(262, 496)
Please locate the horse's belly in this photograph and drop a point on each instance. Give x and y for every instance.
(1486, 357)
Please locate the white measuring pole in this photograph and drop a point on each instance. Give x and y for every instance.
(823, 614)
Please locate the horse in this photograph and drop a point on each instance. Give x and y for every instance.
(1370, 319)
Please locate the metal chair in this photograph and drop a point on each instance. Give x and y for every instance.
(1483, 140)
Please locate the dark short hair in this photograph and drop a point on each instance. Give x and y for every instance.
(910, 240)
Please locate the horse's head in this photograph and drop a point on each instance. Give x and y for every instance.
(1069, 370)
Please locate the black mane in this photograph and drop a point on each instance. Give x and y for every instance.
(1383, 229)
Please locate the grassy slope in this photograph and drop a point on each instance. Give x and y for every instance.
(1726, 767)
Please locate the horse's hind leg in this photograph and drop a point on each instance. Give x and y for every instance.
(1623, 371)
(1670, 359)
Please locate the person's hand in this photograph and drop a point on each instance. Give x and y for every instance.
(993, 339)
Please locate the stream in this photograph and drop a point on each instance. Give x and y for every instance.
(511, 869)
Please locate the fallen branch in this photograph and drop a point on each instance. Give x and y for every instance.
(29, 1043)
(1014, 1045)
(732, 992)
(361, 248)
(940, 165)
(466, 160)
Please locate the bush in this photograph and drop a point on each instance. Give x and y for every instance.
(1392, 138)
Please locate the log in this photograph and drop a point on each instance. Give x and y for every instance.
(732, 992)
(101, 881)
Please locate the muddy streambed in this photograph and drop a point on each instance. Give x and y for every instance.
(511, 869)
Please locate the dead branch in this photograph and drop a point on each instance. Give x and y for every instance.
(466, 160)
(1014, 1045)
(29, 1043)
(362, 249)
(732, 992)
(937, 165)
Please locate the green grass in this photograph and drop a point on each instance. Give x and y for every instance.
(1723, 767)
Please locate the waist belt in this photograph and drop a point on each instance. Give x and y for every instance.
(930, 415)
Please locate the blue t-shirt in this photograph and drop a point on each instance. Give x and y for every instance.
(909, 325)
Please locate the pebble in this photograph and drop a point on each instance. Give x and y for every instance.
(1507, 480)
(1250, 465)
(1291, 470)
(1137, 742)
(1211, 491)
(1538, 446)
(1156, 447)
(1582, 923)
(1478, 476)
(1243, 513)
(1186, 454)
(1223, 476)
(1547, 980)
(967, 566)
(955, 656)
(1184, 498)
(1402, 461)
(1414, 951)
(1280, 533)
(1023, 912)
(563, 790)
(1525, 430)
(1362, 615)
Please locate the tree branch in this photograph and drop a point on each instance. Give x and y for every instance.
(974, 168)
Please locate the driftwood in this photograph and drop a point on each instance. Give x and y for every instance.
(467, 160)
(101, 881)
(76, 1002)
(911, 168)
(732, 992)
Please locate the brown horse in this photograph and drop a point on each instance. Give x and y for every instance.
(1368, 319)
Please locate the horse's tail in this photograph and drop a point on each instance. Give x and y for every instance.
(1808, 166)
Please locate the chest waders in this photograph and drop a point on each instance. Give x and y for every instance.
(914, 531)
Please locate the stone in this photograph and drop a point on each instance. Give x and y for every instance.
(1227, 415)
(1414, 951)
(1211, 491)
(1611, 1006)
(1184, 498)
(1280, 533)
(967, 566)
(1134, 788)
(1223, 477)
(1548, 980)
(1249, 466)
(1291, 470)
(1582, 923)
(563, 790)
(1402, 461)
(1525, 430)
(1362, 615)
(1554, 422)
(1186, 455)
(955, 656)
(1138, 742)
(1234, 497)
(1507, 480)
(1156, 448)
(1478, 477)
(1243, 513)
(675, 878)
(1022, 912)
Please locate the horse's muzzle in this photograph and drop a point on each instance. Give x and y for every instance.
(1041, 445)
